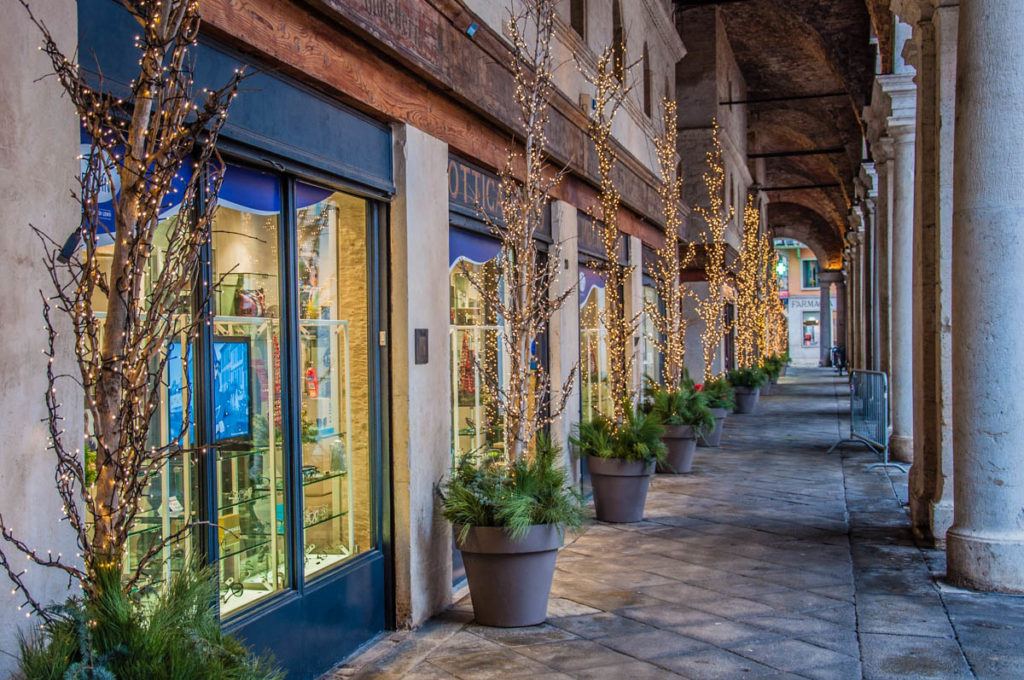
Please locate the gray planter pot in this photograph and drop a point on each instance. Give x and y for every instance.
(766, 389)
(784, 367)
(746, 399)
(714, 438)
(510, 581)
(681, 444)
(620, 488)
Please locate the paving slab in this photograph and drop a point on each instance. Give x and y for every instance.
(773, 559)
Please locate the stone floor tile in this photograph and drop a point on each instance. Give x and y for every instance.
(845, 670)
(904, 656)
(559, 606)
(896, 614)
(520, 637)
(667, 616)
(724, 633)
(464, 642)
(600, 625)
(717, 664)
(489, 665)
(631, 671)
(574, 655)
(789, 655)
(646, 646)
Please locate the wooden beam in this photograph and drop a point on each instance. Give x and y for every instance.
(798, 152)
(787, 98)
(801, 187)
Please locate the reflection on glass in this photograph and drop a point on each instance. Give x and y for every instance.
(246, 390)
(333, 353)
(594, 392)
(169, 501)
(477, 424)
(810, 329)
(650, 357)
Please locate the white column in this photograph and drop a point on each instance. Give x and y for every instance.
(420, 393)
(901, 126)
(564, 328)
(882, 152)
(634, 302)
(985, 546)
(841, 315)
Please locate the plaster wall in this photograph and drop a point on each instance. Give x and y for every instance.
(421, 393)
(564, 329)
(38, 147)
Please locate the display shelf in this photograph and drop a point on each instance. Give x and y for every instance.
(231, 455)
(245, 501)
(246, 549)
(145, 530)
(325, 519)
(330, 475)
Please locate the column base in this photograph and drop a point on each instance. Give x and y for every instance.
(930, 520)
(993, 562)
(901, 448)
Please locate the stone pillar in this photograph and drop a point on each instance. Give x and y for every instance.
(901, 127)
(825, 319)
(985, 545)
(868, 278)
(38, 170)
(882, 152)
(564, 328)
(420, 393)
(825, 279)
(850, 271)
(634, 303)
(930, 483)
(841, 314)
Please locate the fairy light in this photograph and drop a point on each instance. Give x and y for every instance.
(716, 217)
(749, 320)
(671, 323)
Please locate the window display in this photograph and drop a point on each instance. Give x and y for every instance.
(651, 359)
(475, 345)
(810, 329)
(594, 395)
(247, 430)
(333, 328)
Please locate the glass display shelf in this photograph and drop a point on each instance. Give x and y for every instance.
(309, 481)
(326, 519)
(244, 501)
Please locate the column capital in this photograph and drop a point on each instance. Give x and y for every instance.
(830, 276)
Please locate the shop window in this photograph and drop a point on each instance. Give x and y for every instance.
(810, 326)
(578, 17)
(475, 332)
(810, 273)
(594, 390)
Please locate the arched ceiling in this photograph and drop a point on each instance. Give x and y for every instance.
(808, 67)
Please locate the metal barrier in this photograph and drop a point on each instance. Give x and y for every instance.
(869, 415)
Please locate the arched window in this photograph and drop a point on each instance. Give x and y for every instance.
(578, 17)
(618, 42)
(648, 95)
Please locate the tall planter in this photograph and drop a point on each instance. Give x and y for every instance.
(510, 580)
(620, 488)
(746, 398)
(681, 444)
(766, 388)
(714, 438)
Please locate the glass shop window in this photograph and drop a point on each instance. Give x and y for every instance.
(810, 326)
(475, 334)
(594, 389)
(651, 359)
(810, 273)
(333, 349)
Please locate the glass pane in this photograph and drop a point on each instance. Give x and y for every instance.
(477, 424)
(594, 394)
(810, 329)
(650, 364)
(246, 390)
(333, 354)
(169, 502)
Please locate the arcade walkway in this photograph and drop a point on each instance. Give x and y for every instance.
(772, 560)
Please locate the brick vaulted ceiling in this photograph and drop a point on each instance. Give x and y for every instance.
(808, 66)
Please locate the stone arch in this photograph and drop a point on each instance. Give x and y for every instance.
(791, 220)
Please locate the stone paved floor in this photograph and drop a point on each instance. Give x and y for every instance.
(772, 560)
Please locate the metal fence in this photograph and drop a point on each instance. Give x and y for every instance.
(869, 415)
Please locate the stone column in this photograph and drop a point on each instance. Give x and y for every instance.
(901, 127)
(882, 152)
(930, 483)
(841, 314)
(868, 277)
(985, 546)
(825, 280)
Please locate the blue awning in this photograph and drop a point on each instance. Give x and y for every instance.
(589, 279)
(475, 248)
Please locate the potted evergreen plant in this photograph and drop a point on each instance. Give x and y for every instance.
(621, 458)
(509, 519)
(721, 399)
(684, 413)
(746, 382)
(772, 367)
